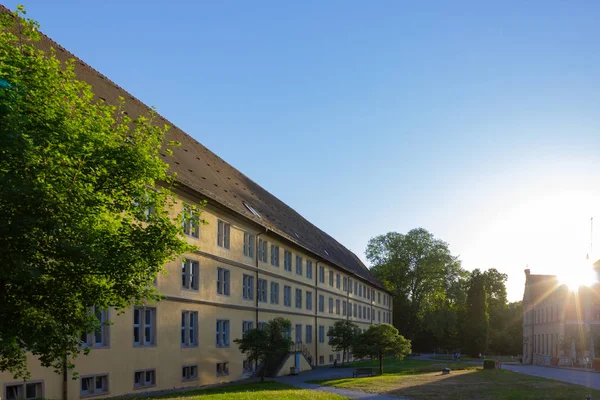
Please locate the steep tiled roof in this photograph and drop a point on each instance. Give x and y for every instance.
(207, 174)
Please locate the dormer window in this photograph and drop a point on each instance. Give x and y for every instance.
(251, 209)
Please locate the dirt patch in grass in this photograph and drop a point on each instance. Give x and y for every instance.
(467, 385)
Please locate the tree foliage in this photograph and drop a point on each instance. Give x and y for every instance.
(381, 341)
(267, 345)
(255, 345)
(77, 179)
(477, 323)
(418, 268)
(342, 336)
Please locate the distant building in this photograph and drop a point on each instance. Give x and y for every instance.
(560, 326)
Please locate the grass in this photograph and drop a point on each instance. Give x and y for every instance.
(411, 378)
(251, 391)
(411, 366)
(487, 357)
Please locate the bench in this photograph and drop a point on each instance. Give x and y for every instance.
(362, 371)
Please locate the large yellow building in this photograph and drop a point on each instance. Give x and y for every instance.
(257, 259)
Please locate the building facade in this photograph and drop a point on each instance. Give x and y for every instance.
(561, 327)
(257, 259)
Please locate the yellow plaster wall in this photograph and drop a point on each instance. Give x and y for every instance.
(121, 358)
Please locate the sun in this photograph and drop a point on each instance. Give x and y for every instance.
(582, 275)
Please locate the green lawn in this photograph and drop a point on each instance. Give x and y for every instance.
(410, 378)
(411, 366)
(251, 391)
(487, 357)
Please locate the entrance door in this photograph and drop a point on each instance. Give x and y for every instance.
(298, 333)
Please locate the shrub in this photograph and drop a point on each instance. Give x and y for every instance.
(489, 364)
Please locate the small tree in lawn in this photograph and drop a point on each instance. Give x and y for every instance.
(266, 345)
(342, 336)
(381, 341)
(254, 344)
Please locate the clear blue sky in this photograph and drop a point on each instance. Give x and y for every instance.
(477, 121)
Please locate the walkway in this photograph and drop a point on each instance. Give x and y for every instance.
(577, 377)
(326, 373)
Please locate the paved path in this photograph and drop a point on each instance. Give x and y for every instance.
(577, 377)
(331, 373)
(584, 378)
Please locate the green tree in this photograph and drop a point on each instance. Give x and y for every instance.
(268, 345)
(255, 345)
(342, 336)
(381, 341)
(418, 268)
(78, 178)
(477, 321)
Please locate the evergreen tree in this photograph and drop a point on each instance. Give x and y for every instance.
(477, 320)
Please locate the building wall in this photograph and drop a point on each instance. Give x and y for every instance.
(120, 358)
(553, 317)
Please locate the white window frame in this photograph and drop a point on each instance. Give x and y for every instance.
(246, 326)
(223, 329)
(89, 339)
(299, 265)
(274, 255)
(223, 234)
(321, 334)
(189, 373)
(287, 296)
(223, 368)
(308, 334)
(190, 274)
(287, 260)
(92, 389)
(308, 300)
(298, 299)
(145, 383)
(249, 243)
(247, 287)
(274, 292)
(262, 290)
(191, 227)
(189, 328)
(143, 325)
(21, 388)
(223, 281)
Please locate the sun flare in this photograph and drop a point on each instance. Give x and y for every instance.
(583, 275)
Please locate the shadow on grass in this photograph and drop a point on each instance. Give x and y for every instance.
(410, 366)
(224, 389)
(466, 385)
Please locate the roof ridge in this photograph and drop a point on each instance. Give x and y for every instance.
(337, 254)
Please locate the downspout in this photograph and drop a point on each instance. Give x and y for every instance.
(316, 313)
(347, 299)
(256, 258)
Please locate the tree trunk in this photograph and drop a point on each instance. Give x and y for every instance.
(381, 365)
(262, 372)
(343, 356)
(65, 387)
